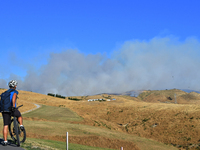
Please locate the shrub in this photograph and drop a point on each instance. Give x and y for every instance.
(50, 94)
(145, 120)
(74, 98)
(59, 96)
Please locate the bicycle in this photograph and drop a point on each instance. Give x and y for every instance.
(18, 135)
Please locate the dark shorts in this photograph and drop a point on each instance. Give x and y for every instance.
(7, 116)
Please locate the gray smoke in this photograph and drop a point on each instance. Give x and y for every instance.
(160, 63)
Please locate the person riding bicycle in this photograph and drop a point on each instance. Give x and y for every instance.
(7, 115)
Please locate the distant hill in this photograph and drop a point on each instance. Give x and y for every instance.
(170, 96)
(188, 90)
(135, 93)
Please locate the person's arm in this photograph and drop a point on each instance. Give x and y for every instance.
(14, 99)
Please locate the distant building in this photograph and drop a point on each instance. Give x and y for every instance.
(90, 100)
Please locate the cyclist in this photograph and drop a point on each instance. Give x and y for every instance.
(7, 115)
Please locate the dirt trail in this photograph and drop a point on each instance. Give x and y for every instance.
(37, 106)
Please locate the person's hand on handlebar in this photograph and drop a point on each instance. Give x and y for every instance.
(12, 109)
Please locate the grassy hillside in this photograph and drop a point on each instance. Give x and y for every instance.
(145, 123)
(51, 113)
(169, 96)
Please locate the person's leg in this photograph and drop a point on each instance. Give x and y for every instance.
(19, 117)
(5, 132)
(20, 120)
(7, 121)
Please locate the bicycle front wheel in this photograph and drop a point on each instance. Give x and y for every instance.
(18, 135)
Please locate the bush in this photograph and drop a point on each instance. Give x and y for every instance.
(56, 95)
(50, 94)
(74, 98)
(60, 96)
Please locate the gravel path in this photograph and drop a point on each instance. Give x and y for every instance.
(38, 106)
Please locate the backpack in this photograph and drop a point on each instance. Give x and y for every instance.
(5, 103)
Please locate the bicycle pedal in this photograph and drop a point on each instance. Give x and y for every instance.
(21, 127)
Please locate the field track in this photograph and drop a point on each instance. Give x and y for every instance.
(37, 106)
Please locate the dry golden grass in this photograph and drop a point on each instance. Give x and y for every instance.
(128, 119)
(169, 96)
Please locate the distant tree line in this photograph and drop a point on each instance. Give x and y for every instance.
(107, 97)
(60, 96)
(56, 95)
(74, 98)
(50, 94)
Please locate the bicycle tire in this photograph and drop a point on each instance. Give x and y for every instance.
(21, 134)
(16, 131)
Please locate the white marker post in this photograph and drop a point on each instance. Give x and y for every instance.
(175, 98)
(121, 148)
(67, 141)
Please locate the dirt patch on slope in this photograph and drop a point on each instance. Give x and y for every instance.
(97, 141)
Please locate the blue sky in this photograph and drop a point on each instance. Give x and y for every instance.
(33, 32)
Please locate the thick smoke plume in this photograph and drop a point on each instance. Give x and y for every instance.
(160, 63)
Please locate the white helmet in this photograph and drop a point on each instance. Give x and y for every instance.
(12, 83)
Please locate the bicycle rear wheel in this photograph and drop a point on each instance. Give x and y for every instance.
(21, 136)
(16, 127)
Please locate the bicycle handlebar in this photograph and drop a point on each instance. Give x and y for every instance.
(13, 108)
(19, 106)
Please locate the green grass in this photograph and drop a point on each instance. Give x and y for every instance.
(37, 144)
(41, 144)
(51, 113)
(48, 128)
